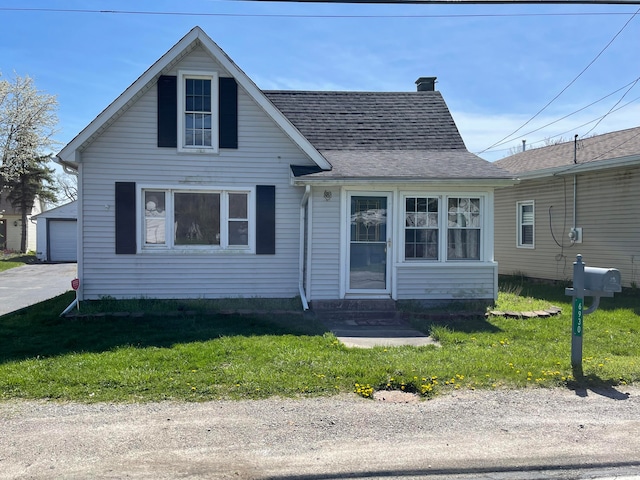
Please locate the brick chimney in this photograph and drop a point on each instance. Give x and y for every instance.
(426, 84)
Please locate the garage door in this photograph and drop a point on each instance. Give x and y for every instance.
(63, 241)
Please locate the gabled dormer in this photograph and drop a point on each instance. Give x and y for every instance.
(197, 109)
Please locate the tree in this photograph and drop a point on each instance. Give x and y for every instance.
(30, 180)
(66, 186)
(547, 143)
(27, 125)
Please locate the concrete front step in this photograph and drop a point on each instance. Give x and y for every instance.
(367, 323)
(354, 305)
(357, 311)
(355, 318)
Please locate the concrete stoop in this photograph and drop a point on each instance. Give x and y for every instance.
(368, 323)
(357, 312)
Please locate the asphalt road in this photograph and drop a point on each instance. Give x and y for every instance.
(23, 286)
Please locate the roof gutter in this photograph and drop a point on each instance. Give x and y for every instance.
(69, 167)
(329, 181)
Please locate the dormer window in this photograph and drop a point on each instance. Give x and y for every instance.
(197, 112)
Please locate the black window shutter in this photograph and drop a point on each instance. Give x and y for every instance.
(167, 111)
(125, 217)
(265, 219)
(228, 113)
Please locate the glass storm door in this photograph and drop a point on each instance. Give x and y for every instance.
(368, 236)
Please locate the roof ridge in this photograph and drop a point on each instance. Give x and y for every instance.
(366, 92)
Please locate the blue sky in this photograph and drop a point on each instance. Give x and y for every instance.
(497, 65)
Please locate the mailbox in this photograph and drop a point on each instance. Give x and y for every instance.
(588, 282)
(599, 279)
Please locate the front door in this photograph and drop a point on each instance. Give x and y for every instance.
(369, 237)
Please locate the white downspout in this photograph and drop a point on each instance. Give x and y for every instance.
(303, 203)
(68, 309)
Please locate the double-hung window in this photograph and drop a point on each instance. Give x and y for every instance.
(194, 219)
(464, 228)
(197, 112)
(421, 230)
(526, 224)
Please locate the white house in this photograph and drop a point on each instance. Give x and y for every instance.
(57, 234)
(11, 226)
(195, 183)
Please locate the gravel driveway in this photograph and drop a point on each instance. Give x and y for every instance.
(476, 433)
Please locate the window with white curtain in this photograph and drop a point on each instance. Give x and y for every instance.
(442, 228)
(463, 228)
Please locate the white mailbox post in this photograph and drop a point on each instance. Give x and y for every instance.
(588, 282)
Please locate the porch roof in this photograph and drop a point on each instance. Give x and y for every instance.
(405, 166)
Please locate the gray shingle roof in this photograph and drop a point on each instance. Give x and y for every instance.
(620, 144)
(408, 165)
(383, 134)
(370, 120)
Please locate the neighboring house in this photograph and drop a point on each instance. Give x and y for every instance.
(58, 234)
(573, 198)
(11, 226)
(194, 183)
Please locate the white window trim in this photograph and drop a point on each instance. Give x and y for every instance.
(443, 227)
(215, 133)
(224, 247)
(519, 206)
(482, 227)
(402, 212)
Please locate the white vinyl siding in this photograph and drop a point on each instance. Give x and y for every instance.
(606, 211)
(325, 242)
(425, 280)
(446, 281)
(126, 151)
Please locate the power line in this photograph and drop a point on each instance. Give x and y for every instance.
(572, 130)
(568, 85)
(458, 2)
(290, 15)
(611, 109)
(631, 84)
(614, 148)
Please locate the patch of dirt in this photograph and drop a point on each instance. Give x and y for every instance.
(395, 396)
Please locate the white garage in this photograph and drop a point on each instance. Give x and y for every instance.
(57, 234)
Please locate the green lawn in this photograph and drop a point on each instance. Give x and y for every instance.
(199, 357)
(8, 261)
